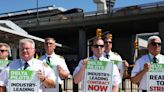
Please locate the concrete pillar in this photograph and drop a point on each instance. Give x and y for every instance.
(124, 45)
(14, 53)
(82, 51)
(161, 34)
(82, 44)
(101, 5)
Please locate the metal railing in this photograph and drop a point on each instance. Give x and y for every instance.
(125, 86)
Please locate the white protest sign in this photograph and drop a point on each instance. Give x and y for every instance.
(23, 81)
(98, 76)
(156, 78)
(56, 89)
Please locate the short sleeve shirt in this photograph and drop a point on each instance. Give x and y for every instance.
(116, 57)
(116, 75)
(56, 60)
(34, 65)
(139, 66)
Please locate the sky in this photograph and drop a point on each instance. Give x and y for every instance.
(86, 5)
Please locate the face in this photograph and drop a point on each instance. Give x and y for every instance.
(108, 45)
(98, 48)
(3, 52)
(26, 51)
(155, 47)
(49, 46)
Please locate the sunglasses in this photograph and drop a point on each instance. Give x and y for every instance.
(108, 42)
(155, 44)
(3, 50)
(97, 46)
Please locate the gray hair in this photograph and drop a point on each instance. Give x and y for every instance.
(6, 45)
(50, 38)
(27, 40)
(153, 38)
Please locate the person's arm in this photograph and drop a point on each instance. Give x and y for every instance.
(115, 88)
(126, 65)
(80, 74)
(62, 73)
(136, 79)
(47, 82)
(116, 79)
(3, 89)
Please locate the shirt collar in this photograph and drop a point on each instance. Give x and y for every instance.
(109, 53)
(95, 58)
(29, 62)
(151, 56)
(53, 54)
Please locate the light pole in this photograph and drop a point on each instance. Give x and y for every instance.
(37, 12)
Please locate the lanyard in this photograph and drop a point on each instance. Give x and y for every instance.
(49, 63)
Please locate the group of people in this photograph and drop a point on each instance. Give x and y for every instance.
(139, 71)
(102, 51)
(44, 66)
(51, 77)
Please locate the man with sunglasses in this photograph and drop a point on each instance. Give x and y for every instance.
(98, 49)
(4, 51)
(142, 65)
(113, 56)
(52, 59)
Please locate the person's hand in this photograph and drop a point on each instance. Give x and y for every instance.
(59, 68)
(40, 76)
(125, 63)
(147, 66)
(84, 63)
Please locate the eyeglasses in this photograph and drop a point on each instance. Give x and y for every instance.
(155, 44)
(96, 46)
(108, 42)
(3, 50)
(22, 49)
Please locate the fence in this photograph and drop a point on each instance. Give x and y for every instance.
(126, 86)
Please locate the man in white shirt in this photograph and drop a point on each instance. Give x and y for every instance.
(113, 56)
(4, 54)
(98, 50)
(27, 62)
(54, 60)
(142, 65)
(4, 51)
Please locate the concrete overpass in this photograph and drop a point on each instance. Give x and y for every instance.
(73, 30)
